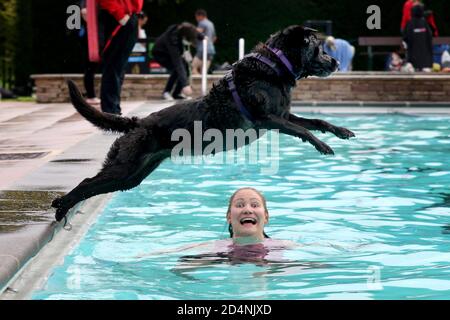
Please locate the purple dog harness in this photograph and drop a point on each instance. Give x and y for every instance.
(285, 61)
(265, 60)
(271, 64)
(236, 98)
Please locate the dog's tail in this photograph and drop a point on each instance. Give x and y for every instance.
(102, 120)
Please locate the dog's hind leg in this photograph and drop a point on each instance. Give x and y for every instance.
(103, 182)
(321, 125)
(110, 179)
(131, 158)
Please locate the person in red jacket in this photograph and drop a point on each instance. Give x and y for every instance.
(407, 6)
(120, 23)
(429, 16)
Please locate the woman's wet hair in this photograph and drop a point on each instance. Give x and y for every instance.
(230, 228)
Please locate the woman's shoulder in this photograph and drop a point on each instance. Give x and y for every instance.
(286, 244)
(202, 246)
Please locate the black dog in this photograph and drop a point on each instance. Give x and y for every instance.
(256, 94)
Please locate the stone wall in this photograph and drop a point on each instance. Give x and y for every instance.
(352, 87)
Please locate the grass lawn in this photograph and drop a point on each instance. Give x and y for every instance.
(19, 99)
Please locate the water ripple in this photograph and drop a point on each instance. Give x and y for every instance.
(371, 220)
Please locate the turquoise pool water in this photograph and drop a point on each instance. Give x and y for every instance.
(374, 218)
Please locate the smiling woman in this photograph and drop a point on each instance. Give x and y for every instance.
(247, 215)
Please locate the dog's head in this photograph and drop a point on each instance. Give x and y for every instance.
(304, 51)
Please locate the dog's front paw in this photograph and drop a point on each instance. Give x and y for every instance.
(57, 203)
(322, 147)
(343, 133)
(60, 213)
(61, 210)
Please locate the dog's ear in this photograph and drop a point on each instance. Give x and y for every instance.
(297, 34)
(293, 30)
(307, 32)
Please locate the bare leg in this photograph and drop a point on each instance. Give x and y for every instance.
(196, 66)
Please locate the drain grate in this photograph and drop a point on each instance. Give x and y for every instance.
(71, 160)
(22, 156)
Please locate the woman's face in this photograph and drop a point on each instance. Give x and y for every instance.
(247, 214)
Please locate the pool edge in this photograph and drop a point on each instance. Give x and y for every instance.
(372, 107)
(33, 275)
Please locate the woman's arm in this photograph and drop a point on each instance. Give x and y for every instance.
(174, 250)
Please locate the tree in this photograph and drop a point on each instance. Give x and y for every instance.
(23, 40)
(7, 37)
(7, 28)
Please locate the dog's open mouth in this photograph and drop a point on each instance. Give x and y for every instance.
(245, 221)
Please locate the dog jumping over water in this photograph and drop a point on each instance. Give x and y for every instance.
(255, 94)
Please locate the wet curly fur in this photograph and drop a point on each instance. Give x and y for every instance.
(147, 142)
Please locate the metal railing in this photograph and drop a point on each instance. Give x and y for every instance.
(241, 48)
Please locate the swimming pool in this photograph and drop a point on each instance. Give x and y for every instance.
(378, 214)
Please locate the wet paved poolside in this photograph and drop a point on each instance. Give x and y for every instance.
(45, 150)
(21, 208)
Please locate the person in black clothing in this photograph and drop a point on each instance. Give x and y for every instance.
(89, 67)
(120, 25)
(418, 37)
(168, 52)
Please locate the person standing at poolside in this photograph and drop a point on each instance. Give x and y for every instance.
(168, 52)
(419, 39)
(206, 27)
(406, 13)
(90, 67)
(121, 32)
